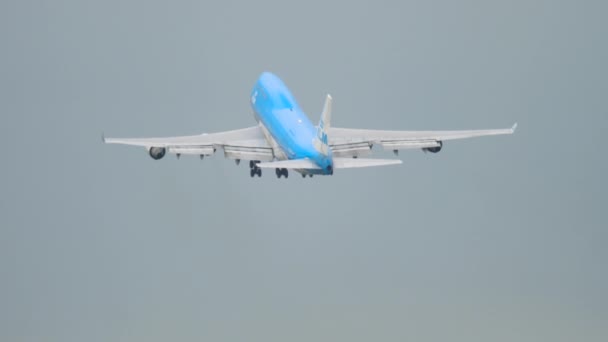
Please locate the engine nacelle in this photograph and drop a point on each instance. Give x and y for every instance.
(434, 149)
(157, 152)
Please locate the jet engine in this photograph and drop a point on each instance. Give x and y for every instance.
(433, 149)
(157, 152)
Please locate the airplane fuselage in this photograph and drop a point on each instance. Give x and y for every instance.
(288, 127)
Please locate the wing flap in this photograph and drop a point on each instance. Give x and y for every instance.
(249, 150)
(351, 149)
(192, 150)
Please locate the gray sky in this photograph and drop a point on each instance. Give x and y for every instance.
(500, 238)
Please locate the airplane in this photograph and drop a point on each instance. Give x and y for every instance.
(285, 139)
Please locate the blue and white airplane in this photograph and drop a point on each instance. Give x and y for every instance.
(285, 139)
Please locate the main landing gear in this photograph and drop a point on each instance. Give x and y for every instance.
(305, 174)
(282, 172)
(254, 169)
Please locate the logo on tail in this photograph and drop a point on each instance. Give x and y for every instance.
(320, 142)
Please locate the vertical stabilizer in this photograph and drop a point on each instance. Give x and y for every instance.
(320, 142)
(325, 121)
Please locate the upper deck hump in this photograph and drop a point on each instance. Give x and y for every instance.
(277, 92)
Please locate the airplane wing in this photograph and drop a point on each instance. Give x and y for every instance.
(247, 143)
(346, 142)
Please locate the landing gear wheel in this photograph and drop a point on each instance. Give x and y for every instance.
(303, 175)
(281, 172)
(254, 169)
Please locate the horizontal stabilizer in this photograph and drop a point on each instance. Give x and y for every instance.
(290, 164)
(347, 163)
(339, 163)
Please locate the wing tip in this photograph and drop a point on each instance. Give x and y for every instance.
(514, 128)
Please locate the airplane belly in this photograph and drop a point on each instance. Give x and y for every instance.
(278, 151)
(285, 139)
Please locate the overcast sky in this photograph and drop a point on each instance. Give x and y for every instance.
(498, 238)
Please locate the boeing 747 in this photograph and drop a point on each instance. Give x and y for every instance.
(285, 139)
